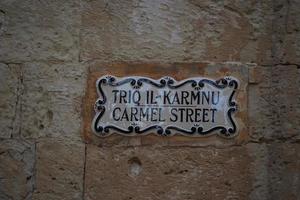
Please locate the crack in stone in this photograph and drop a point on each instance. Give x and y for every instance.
(17, 118)
(33, 178)
(282, 64)
(84, 172)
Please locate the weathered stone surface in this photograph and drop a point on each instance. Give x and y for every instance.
(10, 99)
(274, 104)
(42, 84)
(286, 32)
(177, 31)
(17, 159)
(253, 171)
(59, 169)
(52, 99)
(275, 170)
(167, 173)
(39, 30)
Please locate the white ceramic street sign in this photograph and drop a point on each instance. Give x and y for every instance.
(136, 105)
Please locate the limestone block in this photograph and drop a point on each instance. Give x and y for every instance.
(177, 31)
(253, 171)
(52, 99)
(275, 171)
(17, 160)
(59, 169)
(39, 30)
(286, 42)
(10, 99)
(292, 46)
(274, 104)
(150, 172)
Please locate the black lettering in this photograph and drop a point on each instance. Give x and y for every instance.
(215, 100)
(173, 114)
(189, 114)
(152, 98)
(197, 115)
(115, 95)
(213, 114)
(147, 99)
(136, 96)
(114, 114)
(129, 96)
(184, 96)
(181, 113)
(133, 113)
(166, 97)
(153, 113)
(160, 115)
(124, 116)
(144, 114)
(176, 99)
(206, 96)
(195, 97)
(205, 114)
(123, 96)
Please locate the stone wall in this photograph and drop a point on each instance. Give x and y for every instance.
(46, 50)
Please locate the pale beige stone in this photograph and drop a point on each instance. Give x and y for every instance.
(52, 99)
(39, 30)
(167, 173)
(274, 104)
(255, 74)
(286, 37)
(44, 48)
(275, 171)
(177, 31)
(17, 159)
(252, 171)
(10, 99)
(59, 169)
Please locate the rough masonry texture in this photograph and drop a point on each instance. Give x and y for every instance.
(49, 51)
